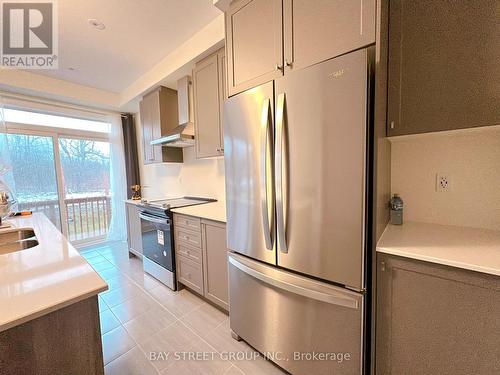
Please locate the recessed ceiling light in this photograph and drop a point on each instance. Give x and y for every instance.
(96, 24)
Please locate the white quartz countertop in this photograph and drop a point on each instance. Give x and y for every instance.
(44, 278)
(467, 248)
(133, 201)
(213, 211)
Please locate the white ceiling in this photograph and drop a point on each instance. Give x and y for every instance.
(138, 35)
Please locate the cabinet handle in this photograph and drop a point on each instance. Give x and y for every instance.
(288, 64)
(278, 67)
(382, 266)
(392, 124)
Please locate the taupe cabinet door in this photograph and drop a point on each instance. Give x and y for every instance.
(266, 38)
(215, 263)
(443, 67)
(222, 62)
(318, 30)
(254, 43)
(208, 98)
(134, 235)
(433, 319)
(159, 115)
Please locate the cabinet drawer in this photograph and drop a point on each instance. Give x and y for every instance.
(188, 252)
(186, 237)
(187, 222)
(190, 274)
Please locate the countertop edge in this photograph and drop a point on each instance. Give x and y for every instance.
(444, 262)
(202, 214)
(477, 250)
(37, 314)
(206, 217)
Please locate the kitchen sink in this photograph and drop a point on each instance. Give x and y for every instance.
(13, 235)
(16, 240)
(17, 246)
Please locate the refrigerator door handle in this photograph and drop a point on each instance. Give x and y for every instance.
(280, 215)
(332, 297)
(264, 167)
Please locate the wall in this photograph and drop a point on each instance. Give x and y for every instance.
(203, 177)
(470, 157)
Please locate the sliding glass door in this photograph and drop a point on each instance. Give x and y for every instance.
(86, 187)
(34, 174)
(64, 176)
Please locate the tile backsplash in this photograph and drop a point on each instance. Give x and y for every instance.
(470, 158)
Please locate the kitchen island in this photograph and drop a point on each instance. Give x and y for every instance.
(49, 320)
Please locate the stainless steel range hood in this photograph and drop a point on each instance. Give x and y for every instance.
(182, 135)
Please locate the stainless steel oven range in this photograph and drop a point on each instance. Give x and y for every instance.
(157, 230)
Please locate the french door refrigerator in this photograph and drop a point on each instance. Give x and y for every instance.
(297, 176)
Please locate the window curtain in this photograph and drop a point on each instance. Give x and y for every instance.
(130, 148)
(118, 182)
(4, 158)
(6, 178)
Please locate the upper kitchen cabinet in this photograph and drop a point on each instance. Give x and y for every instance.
(209, 94)
(254, 43)
(159, 115)
(265, 38)
(318, 30)
(443, 65)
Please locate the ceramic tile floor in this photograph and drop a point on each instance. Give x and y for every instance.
(141, 317)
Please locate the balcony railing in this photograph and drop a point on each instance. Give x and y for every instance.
(87, 219)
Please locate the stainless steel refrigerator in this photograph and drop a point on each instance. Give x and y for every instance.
(297, 179)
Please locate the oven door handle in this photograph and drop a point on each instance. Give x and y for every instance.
(153, 219)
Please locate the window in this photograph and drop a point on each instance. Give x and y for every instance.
(34, 118)
(85, 171)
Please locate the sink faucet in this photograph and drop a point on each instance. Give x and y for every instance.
(5, 205)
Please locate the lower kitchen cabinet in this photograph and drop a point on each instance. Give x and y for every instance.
(215, 262)
(434, 319)
(201, 256)
(134, 236)
(190, 273)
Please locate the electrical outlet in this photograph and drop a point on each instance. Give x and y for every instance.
(443, 183)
